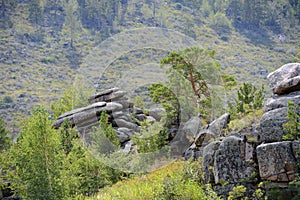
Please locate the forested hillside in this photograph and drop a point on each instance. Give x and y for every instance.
(44, 44)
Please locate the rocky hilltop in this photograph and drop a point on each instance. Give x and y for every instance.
(228, 159)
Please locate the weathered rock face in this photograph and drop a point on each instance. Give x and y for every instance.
(209, 153)
(286, 86)
(207, 135)
(232, 161)
(271, 125)
(186, 136)
(275, 116)
(277, 161)
(281, 101)
(286, 79)
(219, 124)
(107, 95)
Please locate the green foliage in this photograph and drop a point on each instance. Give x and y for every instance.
(165, 183)
(67, 134)
(138, 102)
(164, 96)
(109, 132)
(189, 184)
(200, 68)
(64, 104)
(72, 98)
(292, 127)
(36, 158)
(46, 163)
(259, 193)
(238, 192)
(151, 138)
(104, 140)
(228, 81)
(5, 140)
(245, 121)
(83, 174)
(249, 98)
(221, 24)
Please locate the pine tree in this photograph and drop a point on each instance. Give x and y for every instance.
(72, 23)
(200, 68)
(249, 97)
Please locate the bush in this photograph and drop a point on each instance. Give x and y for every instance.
(103, 138)
(151, 138)
(165, 183)
(292, 127)
(238, 192)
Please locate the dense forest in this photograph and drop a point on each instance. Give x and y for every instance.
(55, 54)
(109, 17)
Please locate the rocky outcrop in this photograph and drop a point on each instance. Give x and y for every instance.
(276, 106)
(228, 159)
(233, 160)
(282, 82)
(278, 160)
(206, 135)
(123, 116)
(277, 102)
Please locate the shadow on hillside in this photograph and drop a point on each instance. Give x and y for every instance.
(256, 35)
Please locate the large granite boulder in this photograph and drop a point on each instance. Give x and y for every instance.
(277, 161)
(124, 134)
(213, 130)
(121, 113)
(88, 113)
(191, 128)
(229, 161)
(286, 79)
(186, 136)
(217, 126)
(271, 125)
(275, 116)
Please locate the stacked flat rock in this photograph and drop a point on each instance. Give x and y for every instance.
(114, 103)
(285, 83)
(277, 159)
(236, 159)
